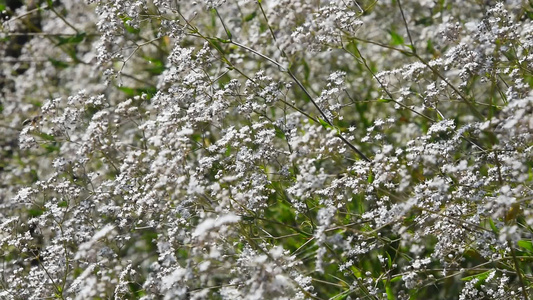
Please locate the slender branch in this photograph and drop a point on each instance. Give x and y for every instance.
(307, 93)
(392, 97)
(62, 18)
(45, 34)
(383, 86)
(228, 33)
(137, 47)
(518, 271)
(259, 54)
(29, 12)
(302, 87)
(406, 26)
(436, 72)
(461, 95)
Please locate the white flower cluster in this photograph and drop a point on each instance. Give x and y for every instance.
(284, 149)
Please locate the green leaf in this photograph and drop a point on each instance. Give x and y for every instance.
(397, 278)
(426, 21)
(58, 64)
(429, 47)
(481, 277)
(352, 48)
(46, 137)
(75, 39)
(156, 65)
(157, 70)
(356, 272)
(528, 245)
(529, 14)
(129, 28)
(215, 43)
(279, 133)
(324, 124)
(493, 227)
(389, 260)
(396, 38)
(35, 212)
(224, 80)
(130, 92)
(388, 290)
(127, 90)
(228, 150)
(50, 148)
(370, 177)
(307, 70)
(223, 40)
(249, 17)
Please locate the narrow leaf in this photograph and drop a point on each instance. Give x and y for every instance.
(396, 38)
(528, 245)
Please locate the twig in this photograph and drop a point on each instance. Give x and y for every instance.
(406, 26)
(518, 272)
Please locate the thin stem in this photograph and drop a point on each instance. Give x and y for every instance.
(283, 69)
(406, 26)
(45, 34)
(253, 243)
(463, 97)
(137, 47)
(29, 12)
(63, 18)
(384, 88)
(268, 24)
(518, 272)
(382, 45)
(228, 33)
(392, 97)
(302, 87)
(58, 290)
(328, 283)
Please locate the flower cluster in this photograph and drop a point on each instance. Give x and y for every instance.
(287, 149)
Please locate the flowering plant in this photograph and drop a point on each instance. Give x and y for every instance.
(283, 149)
